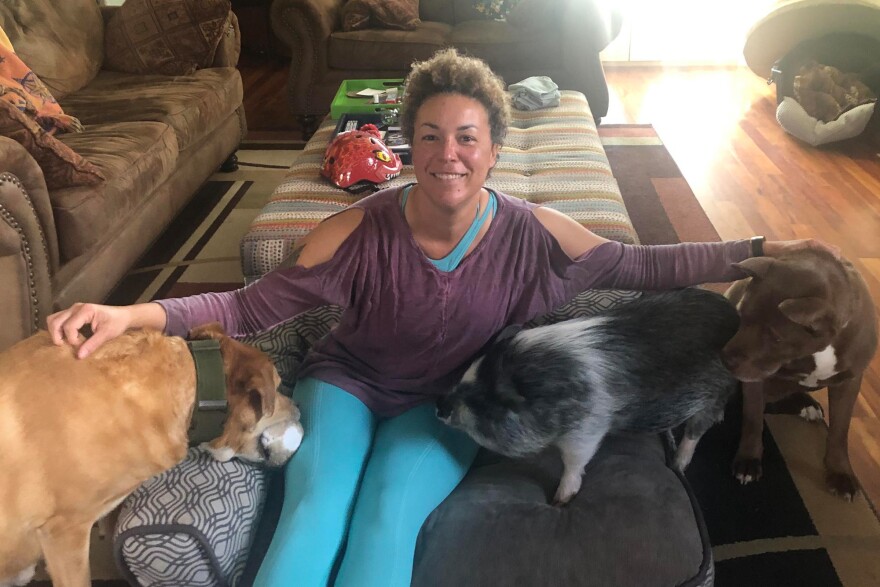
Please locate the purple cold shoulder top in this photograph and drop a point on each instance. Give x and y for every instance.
(409, 330)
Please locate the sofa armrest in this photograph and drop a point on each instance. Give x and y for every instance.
(229, 49)
(590, 25)
(28, 244)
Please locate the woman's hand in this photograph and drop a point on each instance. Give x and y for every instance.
(778, 248)
(106, 322)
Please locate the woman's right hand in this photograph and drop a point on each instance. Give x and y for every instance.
(106, 322)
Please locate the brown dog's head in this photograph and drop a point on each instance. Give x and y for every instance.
(790, 308)
(262, 425)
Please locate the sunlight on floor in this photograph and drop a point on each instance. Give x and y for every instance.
(705, 112)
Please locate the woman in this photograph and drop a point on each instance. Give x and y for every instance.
(426, 274)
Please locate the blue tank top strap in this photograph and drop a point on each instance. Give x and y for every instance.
(452, 260)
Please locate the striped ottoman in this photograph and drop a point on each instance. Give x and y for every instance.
(552, 157)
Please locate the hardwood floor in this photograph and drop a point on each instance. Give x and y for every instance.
(750, 177)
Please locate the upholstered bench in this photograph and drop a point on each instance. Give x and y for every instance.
(635, 522)
(552, 156)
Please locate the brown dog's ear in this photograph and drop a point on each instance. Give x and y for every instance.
(756, 266)
(261, 395)
(205, 331)
(804, 311)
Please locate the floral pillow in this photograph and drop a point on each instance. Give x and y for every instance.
(31, 116)
(169, 37)
(62, 166)
(388, 14)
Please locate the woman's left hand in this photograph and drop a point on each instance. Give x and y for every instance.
(777, 248)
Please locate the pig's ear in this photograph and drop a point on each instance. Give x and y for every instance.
(508, 333)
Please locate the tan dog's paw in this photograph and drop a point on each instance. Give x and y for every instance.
(842, 485)
(220, 454)
(747, 470)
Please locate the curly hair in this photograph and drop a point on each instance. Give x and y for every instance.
(448, 72)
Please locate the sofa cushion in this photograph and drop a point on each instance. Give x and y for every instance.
(63, 42)
(437, 11)
(502, 46)
(373, 49)
(135, 157)
(192, 105)
(171, 37)
(388, 14)
(61, 165)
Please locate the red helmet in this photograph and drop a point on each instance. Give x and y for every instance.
(357, 158)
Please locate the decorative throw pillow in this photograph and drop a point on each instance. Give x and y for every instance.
(389, 14)
(495, 8)
(170, 37)
(62, 167)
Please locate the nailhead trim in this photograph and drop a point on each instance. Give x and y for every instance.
(26, 248)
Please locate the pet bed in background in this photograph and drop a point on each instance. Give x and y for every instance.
(843, 35)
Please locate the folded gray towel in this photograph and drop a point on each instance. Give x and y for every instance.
(534, 92)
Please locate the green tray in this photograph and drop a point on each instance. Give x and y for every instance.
(342, 104)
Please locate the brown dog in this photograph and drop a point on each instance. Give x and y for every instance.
(807, 322)
(78, 435)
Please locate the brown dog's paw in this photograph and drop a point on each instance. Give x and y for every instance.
(747, 470)
(842, 485)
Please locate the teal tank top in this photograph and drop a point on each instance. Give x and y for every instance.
(451, 261)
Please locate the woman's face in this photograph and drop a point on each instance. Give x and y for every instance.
(452, 149)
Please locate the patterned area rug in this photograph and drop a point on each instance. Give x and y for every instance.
(784, 531)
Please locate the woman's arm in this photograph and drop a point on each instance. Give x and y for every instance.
(656, 267)
(296, 286)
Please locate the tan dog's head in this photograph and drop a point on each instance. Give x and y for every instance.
(262, 425)
(790, 308)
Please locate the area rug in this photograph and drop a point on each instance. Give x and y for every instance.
(784, 531)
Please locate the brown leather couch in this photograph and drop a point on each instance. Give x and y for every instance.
(156, 139)
(565, 46)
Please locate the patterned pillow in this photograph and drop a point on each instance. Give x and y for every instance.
(62, 167)
(192, 525)
(170, 37)
(388, 14)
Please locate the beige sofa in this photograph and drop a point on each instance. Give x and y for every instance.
(562, 42)
(155, 138)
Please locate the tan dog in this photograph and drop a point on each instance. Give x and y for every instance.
(78, 435)
(807, 322)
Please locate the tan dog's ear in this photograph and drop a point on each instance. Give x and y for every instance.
(205, 331)
(260, 395)
(756, 266)
(804, 311)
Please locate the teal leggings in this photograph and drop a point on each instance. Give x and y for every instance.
(360, 484)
